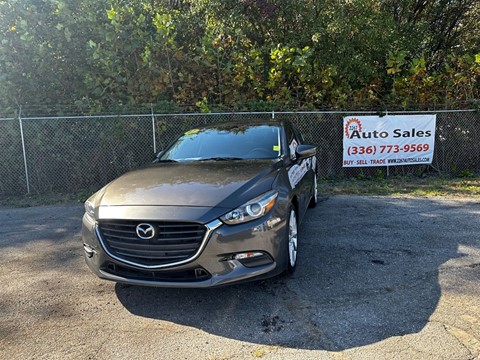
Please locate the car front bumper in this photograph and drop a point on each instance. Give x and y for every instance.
(217, 264)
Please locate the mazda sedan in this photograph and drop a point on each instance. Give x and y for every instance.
(221, 205)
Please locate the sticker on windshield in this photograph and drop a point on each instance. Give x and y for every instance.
(192, 132)
(276, 147)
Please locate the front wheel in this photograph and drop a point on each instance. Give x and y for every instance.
(292, 241)
(314, 200)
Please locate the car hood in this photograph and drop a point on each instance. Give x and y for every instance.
(203, 184)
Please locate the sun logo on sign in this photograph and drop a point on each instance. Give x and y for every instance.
(352, 124)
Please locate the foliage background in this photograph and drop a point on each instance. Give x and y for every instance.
(90, 56)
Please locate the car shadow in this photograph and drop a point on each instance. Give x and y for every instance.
(369, 270)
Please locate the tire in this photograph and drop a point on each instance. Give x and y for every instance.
(314, 200)
(292, 241)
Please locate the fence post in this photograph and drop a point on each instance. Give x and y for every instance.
(154, 132)
(23, 148)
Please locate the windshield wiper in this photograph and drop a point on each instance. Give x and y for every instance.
(219, 158)
(166, 161)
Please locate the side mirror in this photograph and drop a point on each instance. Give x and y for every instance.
(305, 151)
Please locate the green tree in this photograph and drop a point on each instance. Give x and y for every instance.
(237, 54)
(42, 56)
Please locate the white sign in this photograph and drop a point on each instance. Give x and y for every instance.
(389, 140)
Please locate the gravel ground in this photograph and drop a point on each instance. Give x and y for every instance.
(378, 277)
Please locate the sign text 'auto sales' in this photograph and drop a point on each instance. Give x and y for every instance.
(389, 140)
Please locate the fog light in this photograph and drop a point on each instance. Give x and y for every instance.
(247, 255)
(253, 258)
(89, 251)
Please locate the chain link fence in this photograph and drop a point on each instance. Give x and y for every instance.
(70, 154)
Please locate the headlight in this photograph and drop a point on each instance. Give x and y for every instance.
(89, 208)
(251, 210)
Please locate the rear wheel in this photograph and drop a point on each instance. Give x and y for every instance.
(292, 241)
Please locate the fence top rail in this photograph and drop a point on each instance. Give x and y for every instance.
(81, 117)
(273, 113)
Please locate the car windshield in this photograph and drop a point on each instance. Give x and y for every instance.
(226, 143)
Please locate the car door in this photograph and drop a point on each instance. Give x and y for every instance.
(300, 172)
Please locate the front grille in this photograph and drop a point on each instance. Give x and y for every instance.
(189, 275)
(173, 241)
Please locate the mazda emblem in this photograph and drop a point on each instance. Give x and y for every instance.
(145, 231)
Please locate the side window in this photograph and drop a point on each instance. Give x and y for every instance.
(298, 135)
(292, 139)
